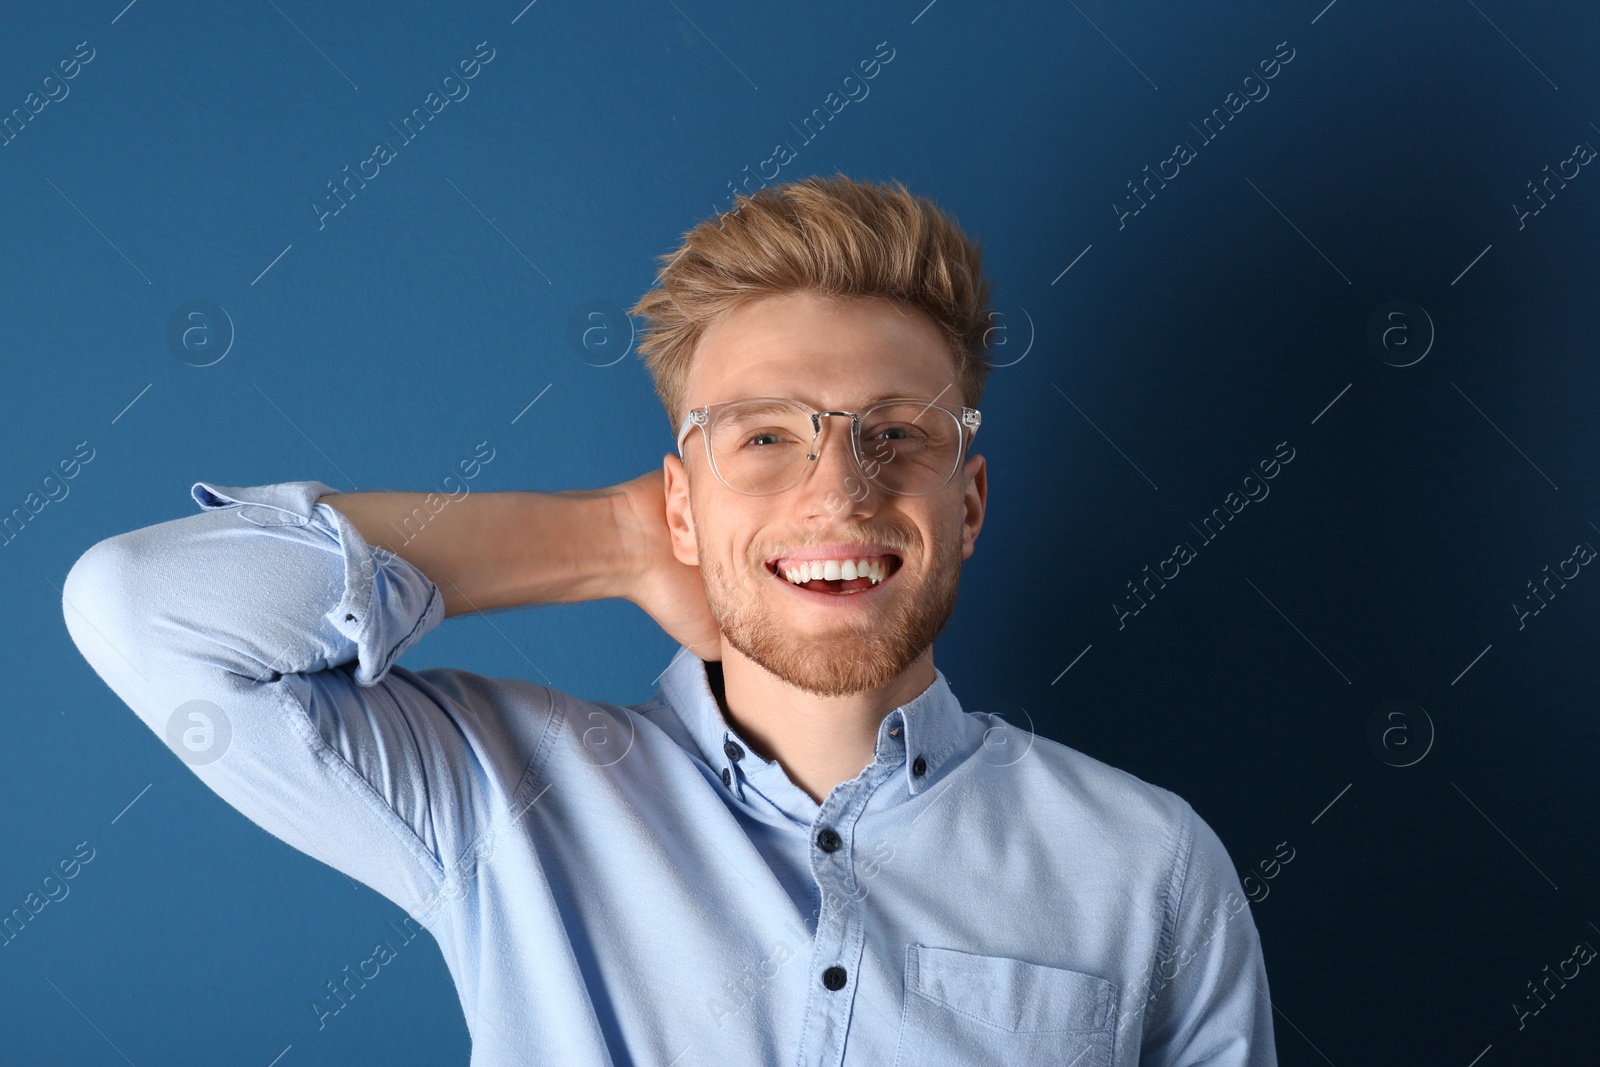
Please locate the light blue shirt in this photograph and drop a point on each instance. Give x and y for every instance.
(634, 885)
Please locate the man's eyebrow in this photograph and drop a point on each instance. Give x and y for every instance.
(881, 397)
(878, 398)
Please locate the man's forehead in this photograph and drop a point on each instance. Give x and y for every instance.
(840, 398)
(850, 376)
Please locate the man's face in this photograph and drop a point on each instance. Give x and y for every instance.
(832, 354)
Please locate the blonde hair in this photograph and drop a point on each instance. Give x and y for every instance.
(834, 236)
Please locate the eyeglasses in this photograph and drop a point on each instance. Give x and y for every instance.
(765, 445)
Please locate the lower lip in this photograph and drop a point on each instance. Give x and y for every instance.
(862, 598)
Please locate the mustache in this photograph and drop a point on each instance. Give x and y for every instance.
(900, 539)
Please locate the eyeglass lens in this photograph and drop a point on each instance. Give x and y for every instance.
(907, 447)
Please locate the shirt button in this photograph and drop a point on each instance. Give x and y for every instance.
(727, 776)
(733, 750)
(834, 978)
(828, 839)
(919, 766)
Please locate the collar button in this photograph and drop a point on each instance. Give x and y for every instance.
(919, 766)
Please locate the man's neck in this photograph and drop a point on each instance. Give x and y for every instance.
(818, 741)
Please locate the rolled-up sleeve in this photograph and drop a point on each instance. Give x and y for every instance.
(1207, 1000)
(257, 639)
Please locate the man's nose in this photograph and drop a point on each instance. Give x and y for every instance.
(836, 480)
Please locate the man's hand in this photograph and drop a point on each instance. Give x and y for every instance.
(670, 592)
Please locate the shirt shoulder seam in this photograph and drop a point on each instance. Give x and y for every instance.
(555, 716)
(1177, 887)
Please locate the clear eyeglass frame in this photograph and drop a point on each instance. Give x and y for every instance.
(969, 420)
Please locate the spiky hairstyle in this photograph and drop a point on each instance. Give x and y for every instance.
(834, 236)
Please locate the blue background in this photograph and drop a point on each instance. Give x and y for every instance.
(486, 266)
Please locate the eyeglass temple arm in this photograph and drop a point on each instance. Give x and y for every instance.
(690, 421)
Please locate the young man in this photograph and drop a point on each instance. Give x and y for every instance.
(802, 850)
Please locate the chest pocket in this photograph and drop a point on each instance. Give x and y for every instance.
(966, 1010)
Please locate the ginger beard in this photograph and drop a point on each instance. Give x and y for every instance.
(853, 656)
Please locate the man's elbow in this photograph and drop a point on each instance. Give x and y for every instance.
(98, 604)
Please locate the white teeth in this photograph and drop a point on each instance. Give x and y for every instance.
(834, 570)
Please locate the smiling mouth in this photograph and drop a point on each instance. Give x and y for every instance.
(840, 577)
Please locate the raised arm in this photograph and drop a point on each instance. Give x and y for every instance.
(497, 550)
(259, 641)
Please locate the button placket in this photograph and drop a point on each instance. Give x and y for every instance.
(735, 752)
(840, 938)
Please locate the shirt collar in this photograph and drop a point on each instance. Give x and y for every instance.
(916, 743)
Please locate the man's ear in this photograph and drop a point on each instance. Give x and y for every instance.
(975, 475)
(680, 511)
